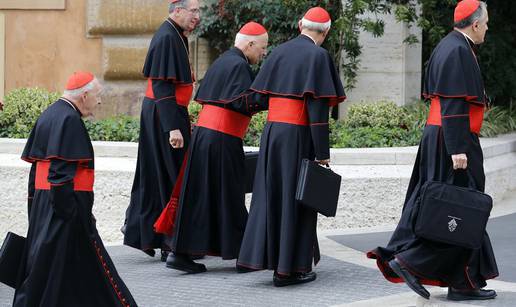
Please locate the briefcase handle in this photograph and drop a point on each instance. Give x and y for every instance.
(471, 180)
(327, 165)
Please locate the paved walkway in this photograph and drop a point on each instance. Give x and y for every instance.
(345, 276)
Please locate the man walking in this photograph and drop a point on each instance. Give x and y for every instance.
(301, 82)
(212, 215)
(454, 85)
(64, 262)
(164, 126)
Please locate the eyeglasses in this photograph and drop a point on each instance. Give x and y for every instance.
(192, 11)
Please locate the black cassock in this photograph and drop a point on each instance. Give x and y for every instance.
(64, 262)
(211, 215)
(164, 108)
(301, 83)
(453, 83)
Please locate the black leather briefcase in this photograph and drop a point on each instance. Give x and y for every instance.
(251, 159)
(10, 258)
(451, 214)
(318, 188)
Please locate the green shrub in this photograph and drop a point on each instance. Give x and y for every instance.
(254, 133)
(120, 128)
(382, 124)
(497, 121)
(22, 108)
(381, 114)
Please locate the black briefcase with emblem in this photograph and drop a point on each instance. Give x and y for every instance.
(251, 159)
(451, 214)
(318, 188)
(10, 258)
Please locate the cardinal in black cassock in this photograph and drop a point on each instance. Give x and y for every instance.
(454, 85)
(211, 214)
(300, 82)
(164, 113)
(65, 262)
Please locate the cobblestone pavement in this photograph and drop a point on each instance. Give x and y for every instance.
(152, 284)
(345, 277)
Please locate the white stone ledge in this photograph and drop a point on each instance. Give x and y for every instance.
(339, 156)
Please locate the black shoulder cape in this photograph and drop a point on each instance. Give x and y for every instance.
(167, 57)
(59, 133)
(453, 71)
(298, 67)
(227, 79)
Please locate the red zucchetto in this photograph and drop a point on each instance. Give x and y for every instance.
(253, 29)
(464, 9)
(79, 79)
(318, 15)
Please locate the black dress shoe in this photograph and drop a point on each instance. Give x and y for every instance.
(184, 263)
(164, 255)
(474, 294)
(196, 257)
(149, 252)
(243, 269)
(409, 279)
(293, 279)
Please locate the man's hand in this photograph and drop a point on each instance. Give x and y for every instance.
(323, 162)
(176, 139)
(460, 161)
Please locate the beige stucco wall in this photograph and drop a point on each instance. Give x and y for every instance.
(42, 47)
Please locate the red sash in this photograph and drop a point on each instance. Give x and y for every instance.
(287, 110)
(223, 120)
(476, 115)
(83, 180)
(183, 93)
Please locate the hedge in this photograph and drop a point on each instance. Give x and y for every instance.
(380, 124)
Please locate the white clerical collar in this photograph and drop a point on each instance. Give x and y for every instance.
(309, 37)
(466, 36)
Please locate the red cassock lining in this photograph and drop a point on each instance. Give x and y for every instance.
(476, 115)
(183, 93)
(287, 110)
(83, 180)
(223, 120)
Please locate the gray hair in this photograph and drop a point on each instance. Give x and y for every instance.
(477, 15)
(173, 6)
(239, 38)
(76, 93)
(315, 26)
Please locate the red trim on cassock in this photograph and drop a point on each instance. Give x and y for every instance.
(83, 180)
(221, 101)
(167, 219)
(32, 159)
(110, 278)
(183, 92)
(287, 110)
(334, 100)
(470, 99)
(223, 120)
(476, 115)
(385, 269)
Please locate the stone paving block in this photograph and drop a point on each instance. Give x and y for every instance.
(152, 284)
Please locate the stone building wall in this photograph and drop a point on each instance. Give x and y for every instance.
(111, 37)
(390, 69)
(43, 46)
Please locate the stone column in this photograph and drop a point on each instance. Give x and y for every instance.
(390, 69)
